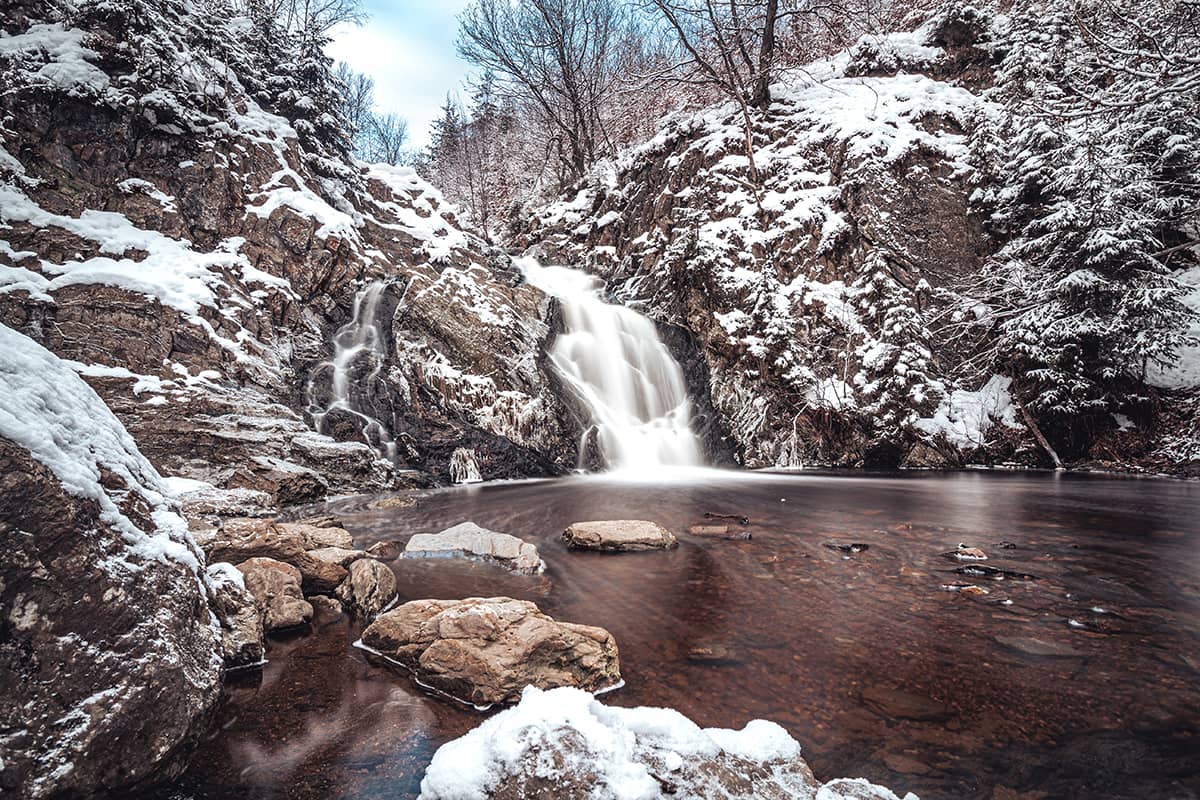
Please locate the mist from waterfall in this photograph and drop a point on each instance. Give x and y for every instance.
(614, 359)
(358, 356)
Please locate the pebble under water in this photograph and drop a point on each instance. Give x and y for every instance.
(1076, 675)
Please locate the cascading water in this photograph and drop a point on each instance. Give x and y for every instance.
(358, 357)
(613, 358)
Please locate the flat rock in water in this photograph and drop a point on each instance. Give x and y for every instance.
(486, 650)
(471, 539)
(718, 532)
(619, 535)
(1038, 647)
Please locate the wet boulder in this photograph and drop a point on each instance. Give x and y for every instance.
(241, 539)
(565, 744)
(369, 587)
(470, 539)
(484, 651)
(618, 536)
(238, 614)
(276, 590)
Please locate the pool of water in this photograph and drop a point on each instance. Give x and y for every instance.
(1077, 675)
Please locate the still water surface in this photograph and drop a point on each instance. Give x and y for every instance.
(1076, 676)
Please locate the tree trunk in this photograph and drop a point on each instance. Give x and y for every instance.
(766, 57)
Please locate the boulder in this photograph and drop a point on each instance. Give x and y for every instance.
(337, 555)
(566, 745)
(471, 539)
(241, 539)
(318, 535)
(619, 535)
(236, 611)
(368, 588)
(486, 650)
(384, 551)
(287, 483)
(276, 590)
(110, 662)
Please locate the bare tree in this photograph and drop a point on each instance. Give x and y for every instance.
(558, 55)
(386, 135)
(358, 95)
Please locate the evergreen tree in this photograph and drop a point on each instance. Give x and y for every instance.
(1090, 171)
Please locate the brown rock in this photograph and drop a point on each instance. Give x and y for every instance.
(242, 539)
(318, 535)
(486, 650)
(618, 535)
(287, 483)
(276, 590)
(384, 551)
(239, 616)
(369, 587)
(337, 555)
(126, 655)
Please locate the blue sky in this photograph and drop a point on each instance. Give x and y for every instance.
(407, 46)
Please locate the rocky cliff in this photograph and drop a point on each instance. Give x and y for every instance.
(183, 243)
(826, 289)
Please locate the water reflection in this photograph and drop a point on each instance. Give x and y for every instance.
(1082, 681)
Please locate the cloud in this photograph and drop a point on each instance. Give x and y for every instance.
(408, 48)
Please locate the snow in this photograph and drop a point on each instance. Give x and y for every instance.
(610, 742)
(67, 64)
(423, 213)
(1185, 373)
(51, 412)
(965, 417)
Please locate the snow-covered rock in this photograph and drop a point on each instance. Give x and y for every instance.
(566, 744)
(111, 655)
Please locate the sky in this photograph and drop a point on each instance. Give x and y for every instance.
(407, 46)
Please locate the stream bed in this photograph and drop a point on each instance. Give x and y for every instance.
(1076, 675)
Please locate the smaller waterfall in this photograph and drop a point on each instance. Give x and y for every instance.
(612, 356)
(358, 356)
(464, 467)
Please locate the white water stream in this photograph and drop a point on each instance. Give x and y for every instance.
(613, 358)
(360, 338)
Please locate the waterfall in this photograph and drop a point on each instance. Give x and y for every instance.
(359, 353)
(613, 358)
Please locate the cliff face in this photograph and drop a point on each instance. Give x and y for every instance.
(192, 253)
(827, 286)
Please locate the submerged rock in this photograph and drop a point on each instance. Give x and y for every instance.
(239, 616)
(619, 535)
(369, 587)
(276, 590)
(471, 539)
(486, 650)
(565, 744)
